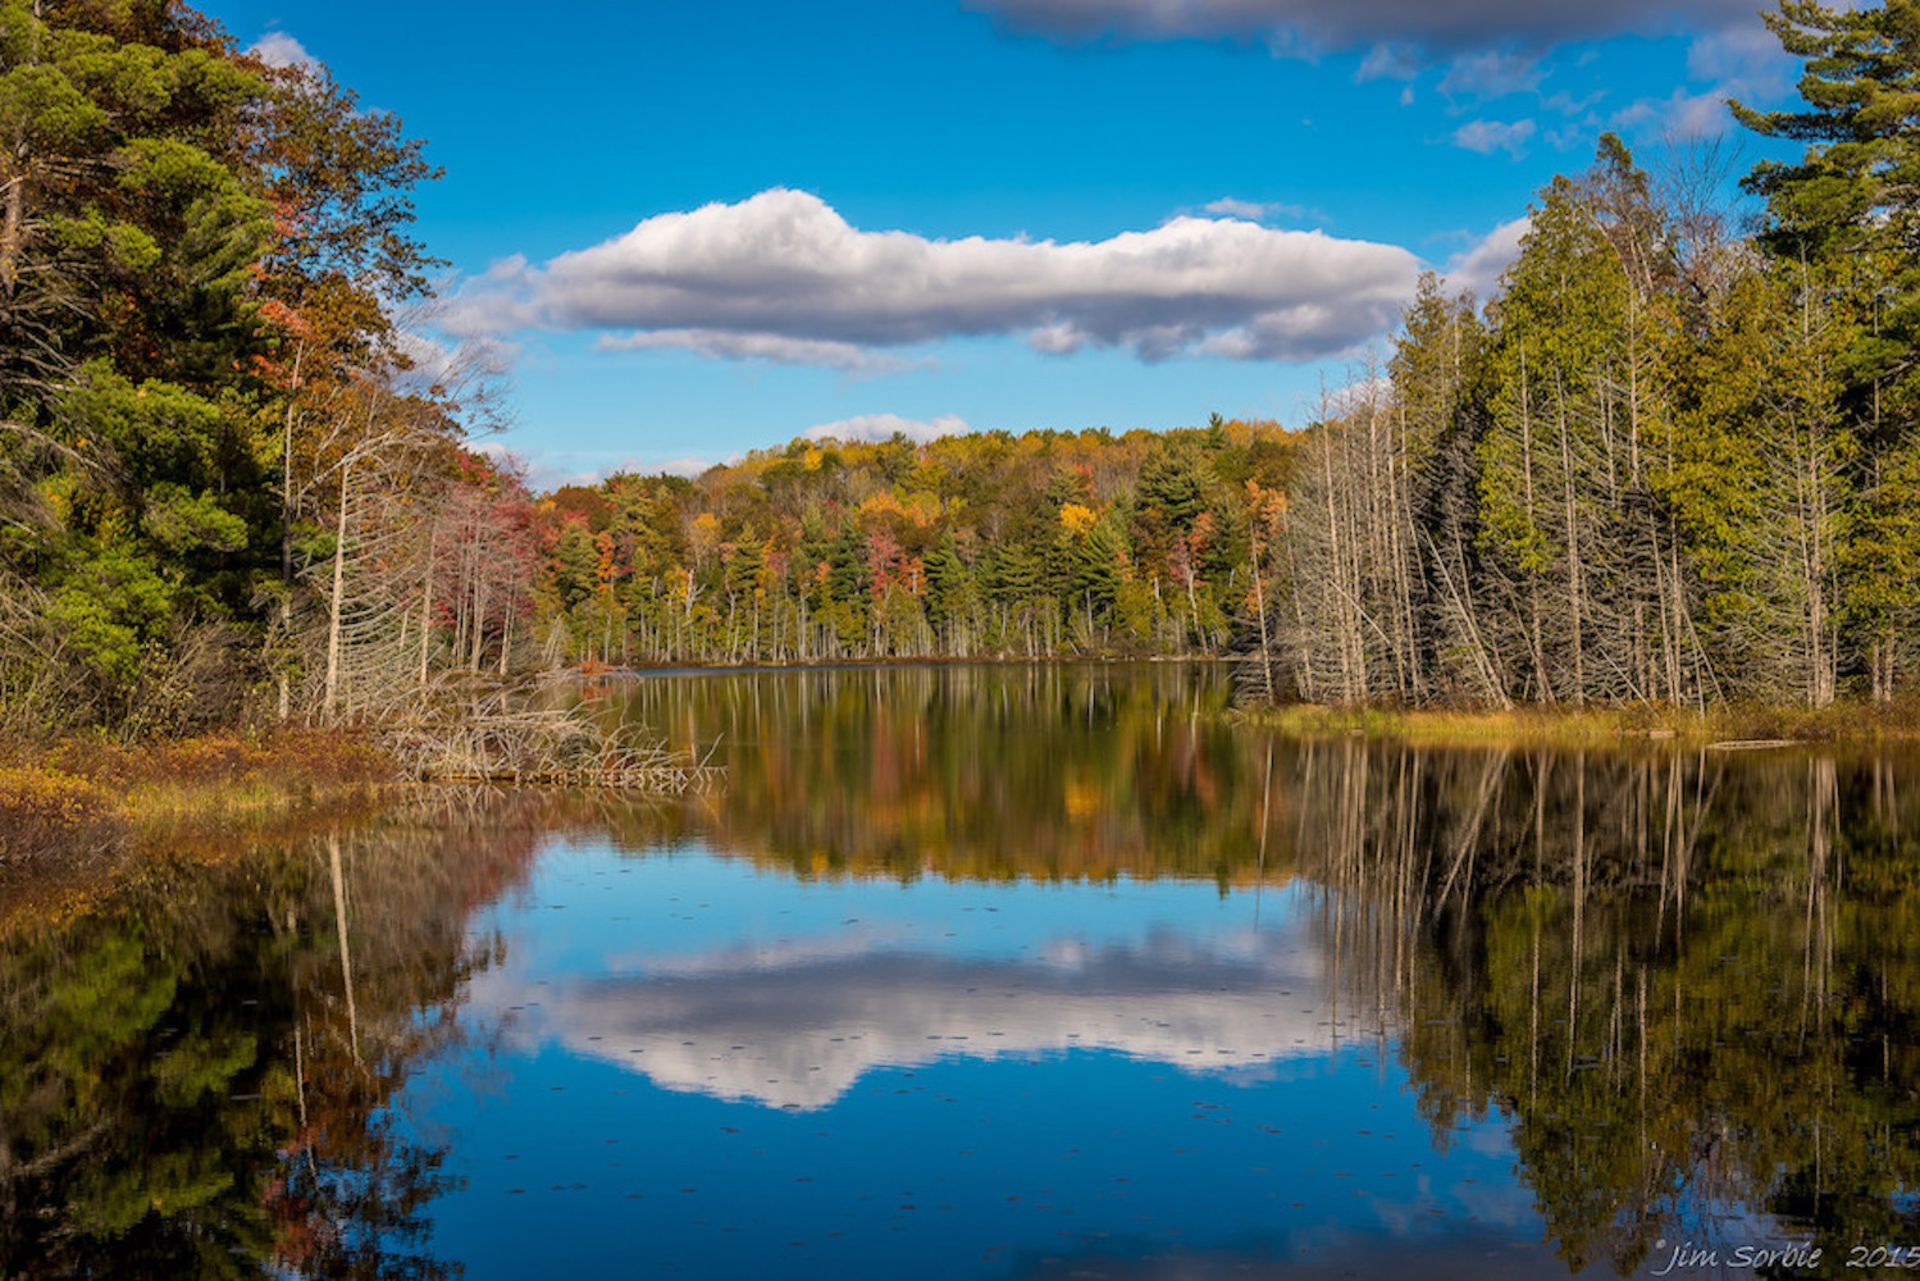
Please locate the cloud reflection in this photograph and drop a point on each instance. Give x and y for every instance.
(798, 1026)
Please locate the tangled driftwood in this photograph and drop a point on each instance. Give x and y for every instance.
(503, 736)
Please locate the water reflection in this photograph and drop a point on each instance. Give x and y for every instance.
(193, 1077)
(799, 1027)
(988, 773)
(1008, 972)
(1686, 983)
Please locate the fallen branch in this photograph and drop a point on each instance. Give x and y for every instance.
(496, 737)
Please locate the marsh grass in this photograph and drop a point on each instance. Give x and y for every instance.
(84, 798)
(1575, 727)
(81, 816)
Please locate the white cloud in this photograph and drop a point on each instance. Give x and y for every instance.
(1305, 26)
(1738, 53)
(278, 49)
(1491, 73)
(1389, 61)
(432, 359)
(1228, 207)
(1255, 210)
(1680, 115)
(720, 344)
(872, 428)
(1742, 62)
(549, 469)
(456, 368)
(1489, 136)
(1478, 267)
(689, 467)
(783, 276)
(1568, 105)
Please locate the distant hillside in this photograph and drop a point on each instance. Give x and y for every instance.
(973, 545)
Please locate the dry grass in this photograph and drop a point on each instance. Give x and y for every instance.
(288, 758)
(78, 817)
(1847, 723)
(86, 796)
(42, 809)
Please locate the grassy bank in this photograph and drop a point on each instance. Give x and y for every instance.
(1536, 726)
(87, 794)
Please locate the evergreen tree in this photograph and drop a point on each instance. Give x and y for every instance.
(1848, 211)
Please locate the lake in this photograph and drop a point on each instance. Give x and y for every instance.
(1004, 972)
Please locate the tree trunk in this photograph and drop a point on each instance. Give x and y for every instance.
(337, 602)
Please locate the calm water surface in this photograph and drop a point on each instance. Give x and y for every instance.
(998, 972)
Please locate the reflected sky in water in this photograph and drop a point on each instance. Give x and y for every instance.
(790, 998)
(707, 1070)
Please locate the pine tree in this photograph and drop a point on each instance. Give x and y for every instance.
(1848, 211)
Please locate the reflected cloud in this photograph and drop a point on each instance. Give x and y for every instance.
(759, 957)
(798, 1025)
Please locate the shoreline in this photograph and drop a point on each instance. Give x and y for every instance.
(234, 785)
(78, 817)
(222, 783)
(655, 671)
(1729, 728)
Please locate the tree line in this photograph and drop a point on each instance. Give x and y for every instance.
(988, 544)
(233, 477)
(1666, 462)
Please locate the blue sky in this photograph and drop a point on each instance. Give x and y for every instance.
(984, 213)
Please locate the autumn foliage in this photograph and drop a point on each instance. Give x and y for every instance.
(982, 545)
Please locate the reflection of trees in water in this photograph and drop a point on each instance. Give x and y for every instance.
(982, 772)
(193, 1079)
(1689, 982)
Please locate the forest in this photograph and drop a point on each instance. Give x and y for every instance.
(235, 484)
(989, 544)
(1672, 460)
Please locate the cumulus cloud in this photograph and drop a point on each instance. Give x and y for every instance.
(872, 428)
(1306, 26)
(782, 275)
(1478, 267)
(1489, 136)
(278, 49)
(720, 344)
